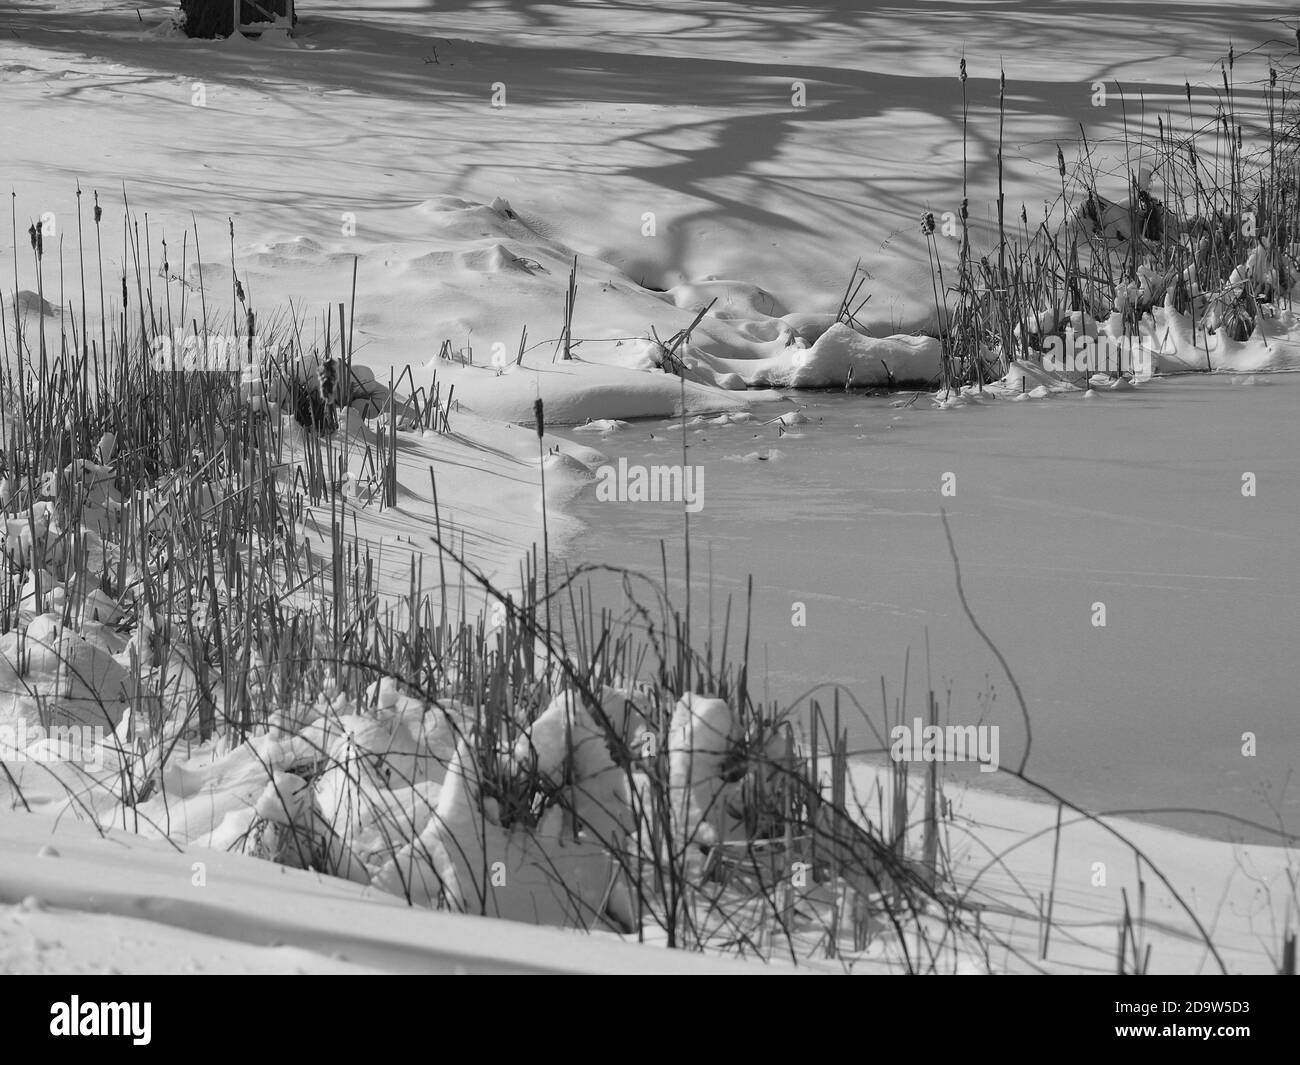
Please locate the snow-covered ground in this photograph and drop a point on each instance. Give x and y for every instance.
(458, 156)
(72, 901)
(684, 110)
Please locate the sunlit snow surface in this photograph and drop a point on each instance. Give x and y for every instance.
(370, 141)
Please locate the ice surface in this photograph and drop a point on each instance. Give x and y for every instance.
(1133, 499)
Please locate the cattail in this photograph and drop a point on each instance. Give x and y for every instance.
(963, 60)
(239, 290)
(99, 211)
(34, 232)
(327, 379)
(537, 413)
(1060, 160)
(927, 223)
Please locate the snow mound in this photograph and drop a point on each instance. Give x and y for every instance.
(828, 362)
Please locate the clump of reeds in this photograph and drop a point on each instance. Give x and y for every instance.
(1217, 247)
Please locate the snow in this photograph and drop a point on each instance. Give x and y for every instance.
(658, 152)
(461, 224)
(126, 904)
(1003, 851)
(73, 901)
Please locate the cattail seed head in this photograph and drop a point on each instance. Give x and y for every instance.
(1060, 160)
(927, 223)
(963, 60)
(537, 413)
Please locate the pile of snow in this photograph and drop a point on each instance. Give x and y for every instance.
(387, 793)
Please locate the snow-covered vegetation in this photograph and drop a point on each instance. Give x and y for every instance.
(284, 526)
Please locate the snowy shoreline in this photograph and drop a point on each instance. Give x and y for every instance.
(488, 476)
(488, 471)
(447, 756)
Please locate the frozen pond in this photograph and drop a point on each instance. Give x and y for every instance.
(1132, 500)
